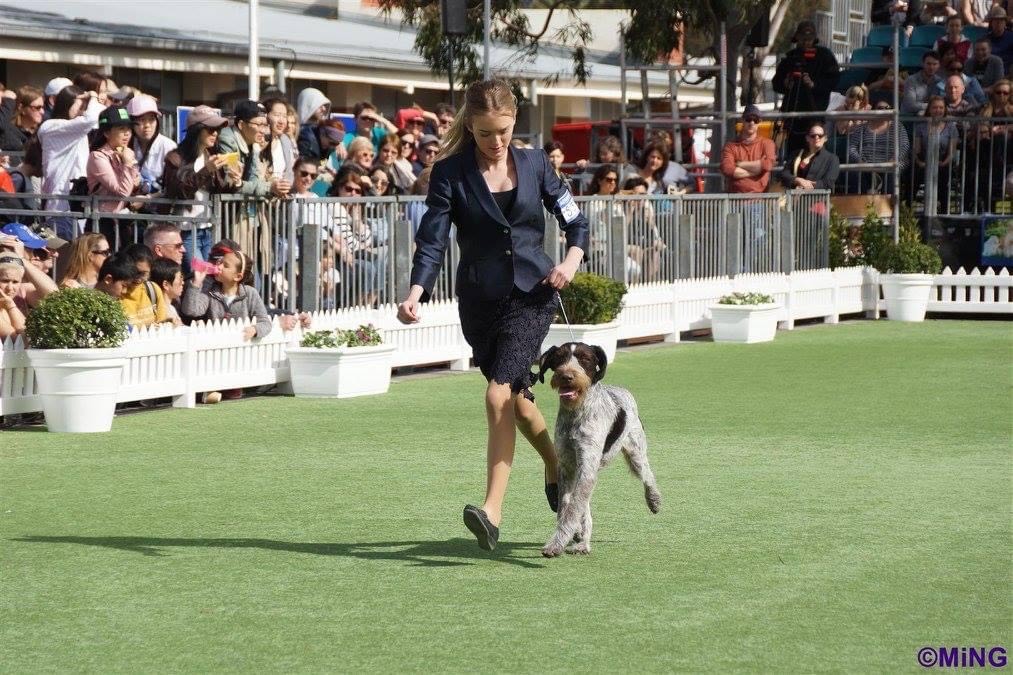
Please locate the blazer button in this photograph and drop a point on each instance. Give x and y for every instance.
(509, 252)
(506, 230)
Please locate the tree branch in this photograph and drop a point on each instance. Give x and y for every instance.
(536, 36)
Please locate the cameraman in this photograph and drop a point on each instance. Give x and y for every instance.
(804, 78)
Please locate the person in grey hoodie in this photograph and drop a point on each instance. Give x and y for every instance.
(313, 108)
(230, 296)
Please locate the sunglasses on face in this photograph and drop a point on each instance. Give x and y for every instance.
(430, 151)
(351, 189)
(407, 144)
(751, 120)
(816, 135)
(100, 251)
(1001, 92)
(307, 174)
(609, 179)
(37, 107)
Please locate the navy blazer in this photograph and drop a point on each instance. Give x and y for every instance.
(496, 253)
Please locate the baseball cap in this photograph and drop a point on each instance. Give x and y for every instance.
(114, 116)
(142, 104)
(25, 234)
(752, 111)
(248, 110)
(805, 29)
(56, 85)
(428, 139)
(53, 242)
(205, 116)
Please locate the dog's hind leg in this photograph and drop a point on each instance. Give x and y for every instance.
(582, 540)
(635, 452)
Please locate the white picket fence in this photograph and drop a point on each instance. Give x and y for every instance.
(182, 362)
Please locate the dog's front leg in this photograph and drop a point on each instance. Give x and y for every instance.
(582, 545)
(571, 513)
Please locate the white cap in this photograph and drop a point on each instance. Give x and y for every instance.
(56, 85)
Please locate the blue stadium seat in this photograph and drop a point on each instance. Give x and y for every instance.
(926, 36)
(911, 57)
(850, 77)
(973, 33)
(867, 55)
(882, 36)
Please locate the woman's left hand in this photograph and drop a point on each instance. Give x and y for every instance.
(561, 275)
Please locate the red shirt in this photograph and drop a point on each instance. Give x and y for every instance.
(761, 149)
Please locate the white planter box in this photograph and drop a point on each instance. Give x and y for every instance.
(744, 323)
(78, 387)
(906, 295)
(605, 335)
(340, 373)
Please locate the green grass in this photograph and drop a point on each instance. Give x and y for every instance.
(833, 501)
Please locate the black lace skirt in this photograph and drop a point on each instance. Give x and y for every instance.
(506, 335)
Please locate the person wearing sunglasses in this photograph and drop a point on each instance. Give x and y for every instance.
(369, 124)
(813, 167)
(994, 146)
(20, 118)
(87, 253)
(353, 240)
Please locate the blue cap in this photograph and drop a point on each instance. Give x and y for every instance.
(22, 232)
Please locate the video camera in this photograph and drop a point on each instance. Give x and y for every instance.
(798, 66)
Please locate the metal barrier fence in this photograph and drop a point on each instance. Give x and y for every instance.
(330, 253)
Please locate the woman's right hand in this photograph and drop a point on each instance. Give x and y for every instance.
(408, 311)
(216, 162)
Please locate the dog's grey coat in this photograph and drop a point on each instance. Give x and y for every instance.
(587, 438)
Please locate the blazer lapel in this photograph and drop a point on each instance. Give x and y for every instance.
(477, 186)
(528, 185)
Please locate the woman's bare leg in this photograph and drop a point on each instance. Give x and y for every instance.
(499, 411)
(532, 426)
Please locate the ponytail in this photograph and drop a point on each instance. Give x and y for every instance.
(487, 96)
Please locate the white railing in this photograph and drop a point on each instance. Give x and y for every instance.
(182, 362)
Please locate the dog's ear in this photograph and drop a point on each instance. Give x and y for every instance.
(602, 359)
(543, 361)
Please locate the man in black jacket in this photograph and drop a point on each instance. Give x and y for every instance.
(804, 78)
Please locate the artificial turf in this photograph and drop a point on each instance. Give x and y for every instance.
(833, 501)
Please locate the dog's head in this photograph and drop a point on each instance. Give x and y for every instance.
(576, 367)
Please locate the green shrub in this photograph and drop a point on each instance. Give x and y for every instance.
(746, 299)
(591, 298)
(76, 318)
(908, 258)
(873, 237)
(840, 240)
(363, 336)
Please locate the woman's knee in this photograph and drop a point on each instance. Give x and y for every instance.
(498, 397)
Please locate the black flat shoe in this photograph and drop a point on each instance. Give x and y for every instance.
(476, 521)
(552, 494)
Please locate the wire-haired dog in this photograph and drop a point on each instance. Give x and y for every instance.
(595, 422)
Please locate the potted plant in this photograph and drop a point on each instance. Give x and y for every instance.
(906, 271)
(341, 363)
(73, 336)
(591, 304)
(744, 317)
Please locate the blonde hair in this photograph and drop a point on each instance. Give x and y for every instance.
(481, 98)
(11, 263)
(858, 91)
(358, 144)
(80, 249)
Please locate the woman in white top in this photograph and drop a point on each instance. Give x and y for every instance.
(64, 139)
(279, 153)
(150, 145)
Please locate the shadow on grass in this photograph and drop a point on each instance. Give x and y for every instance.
(450, 553)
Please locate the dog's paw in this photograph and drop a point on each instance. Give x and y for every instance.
(552, 550)
(583, 548)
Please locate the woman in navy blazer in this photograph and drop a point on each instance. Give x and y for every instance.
(506, 285)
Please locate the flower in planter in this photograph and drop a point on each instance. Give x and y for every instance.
(363, 336)
(746, 299)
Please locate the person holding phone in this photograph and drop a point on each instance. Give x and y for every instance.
(495, 195)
